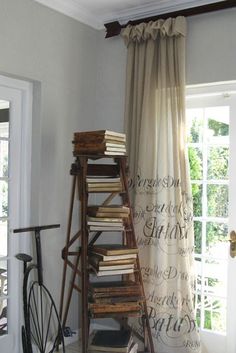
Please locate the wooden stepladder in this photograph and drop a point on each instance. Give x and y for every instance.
(77, 260)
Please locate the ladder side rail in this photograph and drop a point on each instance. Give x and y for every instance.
(124, 177)
(72, 197)
(84, 252)
(70, 290)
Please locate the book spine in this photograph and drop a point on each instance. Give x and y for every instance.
(105, 229)
(93, 150)
(98, 136)
(105, 188)
(113, 294)
(108, 215)
(118, 299)
(99, 220)
(105, 184)
(110, 209)
(106, 251)
(117, 307)
(114, 272)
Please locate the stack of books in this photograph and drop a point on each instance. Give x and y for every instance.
(112, 341)
(104, 224)
(115, 292)
(99, 142)
(106, 218)
(107, 184)
(110, 211)
(115, 259)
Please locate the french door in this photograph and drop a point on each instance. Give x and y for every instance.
(15, 167)
(211, 120)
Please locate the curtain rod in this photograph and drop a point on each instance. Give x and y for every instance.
(114, 28)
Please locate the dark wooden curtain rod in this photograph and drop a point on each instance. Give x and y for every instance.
(114, 28)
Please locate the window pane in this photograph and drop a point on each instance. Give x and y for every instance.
(3, 317)
(3, 158)
(197, 199)
(198, 236)
(218, 124)
(214, 314)
(3, 198)
(195, 125)
(4, 130)
(3, 277)
(3, 238)
(4, 118)
(198, 271)
(197, 305)
(215, 275)
(217, 240)
(217, 200)
(195, 161)
(218, 159)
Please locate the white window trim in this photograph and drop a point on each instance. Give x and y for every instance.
(25, 90)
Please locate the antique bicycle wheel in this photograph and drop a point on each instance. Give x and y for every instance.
(43, 327)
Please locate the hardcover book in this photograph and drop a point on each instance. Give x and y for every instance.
(101, 273)
(111, 211)
(113, 257)
(105, 220)
(114, 308)
(114, 249)
(97, 260)
(104, 228)
(111, 341)
(96, 179)
(120, 299)
(104, 188)
(105, 185)
(115, 286)
(103, 133)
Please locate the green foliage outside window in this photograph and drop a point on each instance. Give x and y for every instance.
(217, 195)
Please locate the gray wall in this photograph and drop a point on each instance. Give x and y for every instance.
(60, 54)
(211, 54)
(211, 47)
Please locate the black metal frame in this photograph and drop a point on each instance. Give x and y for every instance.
(29, 296)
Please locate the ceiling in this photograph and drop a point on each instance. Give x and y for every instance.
(97, 12)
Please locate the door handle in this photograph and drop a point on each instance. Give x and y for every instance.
(232, 241)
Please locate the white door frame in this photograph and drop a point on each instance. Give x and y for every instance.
(209, 338)
(20, 95)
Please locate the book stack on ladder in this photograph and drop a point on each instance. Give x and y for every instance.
(99, 142)
(118, 293)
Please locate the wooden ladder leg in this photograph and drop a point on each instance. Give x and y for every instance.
(67, 246)
(71, 287)
(84, 250)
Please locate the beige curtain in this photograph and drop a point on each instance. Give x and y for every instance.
(159, 182)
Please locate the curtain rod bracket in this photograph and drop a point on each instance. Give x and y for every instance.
(114, 28)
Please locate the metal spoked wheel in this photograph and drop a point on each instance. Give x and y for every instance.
(44, 328)
(24, 340)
